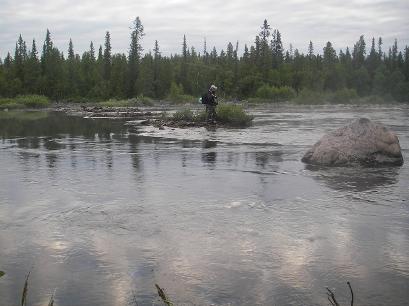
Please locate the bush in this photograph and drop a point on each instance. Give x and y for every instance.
(138, 101)
(8, 103)
(26, 101)
(275, 94)
(343, 96)
(184, 115)
(144, 101)
(116, 103)
(233, 115)
(228, 114)
(177, 95)
(33, 101)
(307, 96)
(80, 100)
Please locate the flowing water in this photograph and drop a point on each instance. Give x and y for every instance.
(100, 212)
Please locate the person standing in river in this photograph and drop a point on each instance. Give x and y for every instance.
(211, 104)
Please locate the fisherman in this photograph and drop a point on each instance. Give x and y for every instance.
(211, 104)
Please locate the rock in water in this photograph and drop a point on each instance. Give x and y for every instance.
(361, 142)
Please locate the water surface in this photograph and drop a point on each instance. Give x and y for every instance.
(100, 212)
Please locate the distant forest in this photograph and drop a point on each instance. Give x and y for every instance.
(262, 67)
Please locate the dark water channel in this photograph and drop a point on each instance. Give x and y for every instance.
(100, 212)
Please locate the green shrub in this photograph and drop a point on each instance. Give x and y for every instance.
(228, 114)
(200, 116)
(176, 95)
(79, 100)
(233, 115)
(144, 101)
(184, 115)
(26, 101)
(175, 90)
(116, 103)
(307, 96)
(8, 103)
(343, 96)
(275, 94)
(33, 101)
(138, 101)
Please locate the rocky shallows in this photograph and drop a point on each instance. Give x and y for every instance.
(360, 142)
(228, 115)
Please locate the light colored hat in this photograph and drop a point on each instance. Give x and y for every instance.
(213, 88)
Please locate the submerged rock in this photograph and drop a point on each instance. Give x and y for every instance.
(361, 142)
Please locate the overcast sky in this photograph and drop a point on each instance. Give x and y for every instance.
(299, 21)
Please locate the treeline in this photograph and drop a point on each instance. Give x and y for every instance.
(263, 67)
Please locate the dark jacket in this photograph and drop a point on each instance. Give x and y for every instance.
(211, 98)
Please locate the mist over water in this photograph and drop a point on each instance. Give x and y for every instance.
(101, 212)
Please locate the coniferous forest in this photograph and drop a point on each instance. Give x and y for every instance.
(263, 70)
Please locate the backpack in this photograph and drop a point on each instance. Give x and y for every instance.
(205, 98)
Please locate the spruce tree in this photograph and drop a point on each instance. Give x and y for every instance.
(72, 75)
(92, 51)
(33, 71)
(358, 55)
(265, 51)
(277, 49)
(183, 75)
(156, 66)
(20, 58)
(135, 54)
(107, 58)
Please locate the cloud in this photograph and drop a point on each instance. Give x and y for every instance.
(299, 21)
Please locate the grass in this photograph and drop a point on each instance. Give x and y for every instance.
(233, 115)
(187, 115)
(25, 291)
(17, 115)
(24, 101)
(138, 101)
(227, 114)
(267, 93)
(164, 297)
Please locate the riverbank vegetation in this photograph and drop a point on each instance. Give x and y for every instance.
(163, 295)
(229, 115)
(264, 71)
(24, 101)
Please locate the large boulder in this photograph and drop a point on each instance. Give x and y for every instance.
(361, 142)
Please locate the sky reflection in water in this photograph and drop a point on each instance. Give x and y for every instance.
(102, 213)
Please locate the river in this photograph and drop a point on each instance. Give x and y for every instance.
(99, 212)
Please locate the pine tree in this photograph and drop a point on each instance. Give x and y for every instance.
(33, 71)
(135, 53)
(20, 58)
(107, 58)
(277, 49)
(100, 55)
(310, 50)
(119, 73)
(156, 66)
(265, 51)
(205, 53)
(92, 51)
(358, 55)
(372, 60)
(72, 72)
(394, 55)
(380, 52)
(52, 70)
(406, 65)
(183, 75)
